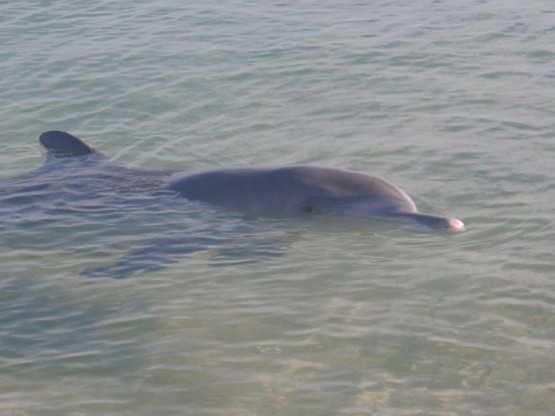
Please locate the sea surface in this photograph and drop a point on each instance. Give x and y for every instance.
(452, 100)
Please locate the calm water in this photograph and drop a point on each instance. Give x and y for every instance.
(452, 100)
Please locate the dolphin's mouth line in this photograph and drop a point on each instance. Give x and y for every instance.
(421, 221)
(432, 221)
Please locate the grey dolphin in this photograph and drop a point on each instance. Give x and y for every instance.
(298, 190)
(306, 190)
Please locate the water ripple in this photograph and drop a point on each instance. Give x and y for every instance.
(451, 101)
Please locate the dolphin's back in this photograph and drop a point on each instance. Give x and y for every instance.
(242, 189)
(283, 189)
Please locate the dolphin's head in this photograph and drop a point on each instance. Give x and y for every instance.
(353, 194)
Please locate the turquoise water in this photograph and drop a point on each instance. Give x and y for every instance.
(451, 100)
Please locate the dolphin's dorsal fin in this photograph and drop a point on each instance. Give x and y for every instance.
(59, 144)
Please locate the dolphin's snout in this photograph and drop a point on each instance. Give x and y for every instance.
(435, 222)
(455, 224)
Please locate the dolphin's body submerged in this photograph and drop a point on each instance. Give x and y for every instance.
(294, 190)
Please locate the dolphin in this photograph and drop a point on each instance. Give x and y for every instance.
(290, 190)
(306, 190)
(77, 180)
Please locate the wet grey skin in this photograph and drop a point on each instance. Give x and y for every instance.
(291, 190)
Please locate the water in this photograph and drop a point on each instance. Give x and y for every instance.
(451, 100)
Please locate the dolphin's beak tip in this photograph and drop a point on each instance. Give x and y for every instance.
(456, 225)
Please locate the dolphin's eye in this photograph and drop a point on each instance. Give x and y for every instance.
(308, 209)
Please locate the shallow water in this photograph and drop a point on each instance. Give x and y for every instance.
(452, 101)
